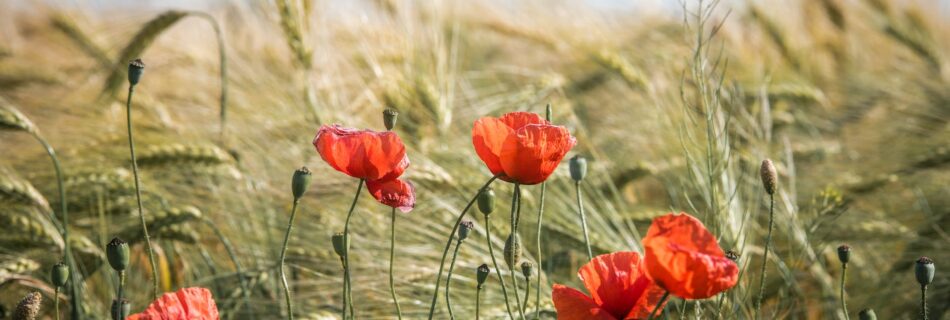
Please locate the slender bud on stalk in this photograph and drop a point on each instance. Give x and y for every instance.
(732, 255)
(486, 201)
(482, 274)
(136, 68)
(59, 274)
(338, 244)
(118, 253)
(29, 307)
(527, 269)
(769, 176)
(464, 229)
(578, 167)
(924, 269)
(389, 118)
(844, 253)
(867, 314)
(120, 309)
(300, 182)
(512, 250)
(548, 113)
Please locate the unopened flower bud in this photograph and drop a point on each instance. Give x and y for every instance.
(120, 309)
(464, 229)
(136, 68)
(512, 250)
(548, 113)
(59, 274)
(924, 269)
(578, 167)
(867, 314)
(29, 307)
(389, 118)
(117, 251)
(482, 274)
(339, 244)
(844, 253)
(486, 201)
(527, 269)
(769, 176)
(732, 255)
(300, 182)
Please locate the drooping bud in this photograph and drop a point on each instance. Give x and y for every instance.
(769, 176)
(486, 201)
(925, 269)
(732, 255)
(120, 309)
(29, 307)
(464, 229)
(300, 182)
(527, 269)
(578, 167)
(117, 251)
(482, 274)
(389, 118)
(339, 244)
(844, 253)
(512, 250)
(867, 314)
(136, 68)
(59, 274)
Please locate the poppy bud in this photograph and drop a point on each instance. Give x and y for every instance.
(300, 182)
(844, 253)
(338, 244)
(548, 113)
(118, 253)
(925, 271)
(29, 307)
(120, 309)
(482, 274)
(512, 250)
(578, 166)
(59, 274)
(769, 176)
(136, 68)
(464, 229)
(389, 118)
(732, 255)
(527, 269)
(486, 201)
(867, 314)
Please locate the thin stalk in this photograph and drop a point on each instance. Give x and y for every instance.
(580, 208)
(117, 313)
(237, 263)
(659, 305)
(765, 257)
(283, 253)
(515, 216)
(537, 291)
(56, 301)
(445, 252)
(478, 297)
(347, 298)
(844, 275)
(138, 194)
(501, 279)
(527, 292)
(448, 279)
(392, 257)
(343, 263)
(923, 302)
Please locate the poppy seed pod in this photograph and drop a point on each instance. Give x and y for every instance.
(486, 201)
(482, 273)
(464, 229)
(59, 274)
(844, 253)
(867, 314)
(527, 269)
(732, 255)
(120, 309)
(512, 250)
(924, 269)
(118, 253)
(338, 244)
(136, 68)
(389, 118)
(300, 182)
(769, 176)
(29, 307)
(578, 166)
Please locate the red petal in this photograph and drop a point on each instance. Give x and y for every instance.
(518, 120)
(488, 135)
(396, 193)
(187, 303)
(363, 154)
(616, 283)
(532, 153)
(574, 305)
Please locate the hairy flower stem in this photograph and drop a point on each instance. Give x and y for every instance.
(478, 301)
(659, 305)
(501, 279)
(238, 268)
(923, 303)
(56, 302)
(515, 216)
(844, 275)
(347, 283)
(448, 279)
(138, 194)
(527, 292)
(392, 257)
(537, 291)
(118, 295)
(445, 252)
(283, 252)
(580, 208)
(765, 257)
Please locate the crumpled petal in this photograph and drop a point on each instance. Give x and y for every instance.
(574, 305)
(363, 154)
(396, 193)
(186, 303)
(520, 147)
(617, 284)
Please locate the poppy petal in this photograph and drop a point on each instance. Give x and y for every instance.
(574, 305)
(532, 153)
(363, 154)
(187, 303)
(616, 283)
(396, 193)
(520, 119)
(488, 135)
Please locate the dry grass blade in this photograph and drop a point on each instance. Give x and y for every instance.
(141, 41)
(17, 266)
(777, 35)
(68, 27)
(163, 219)
(293, 24)
(179, 154)
(14, 190)
(28, 233)
(617, 64)
(13, 119)
(179, 233)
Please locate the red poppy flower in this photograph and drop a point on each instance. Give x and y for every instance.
(187, 303)
(363, 154)
(396, 193)
(618, 287)
(520, 147)
(683, 257)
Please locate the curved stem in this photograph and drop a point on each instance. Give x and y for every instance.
(515, 216)
(537, 291)
(138, 194)
(580, 208)
(659, 305)
(478, 297)
(501, 279)
(844, 275)
(765, 257)
(445, 252)
(347, 284)
(392, 257)
(283, 252)
(448, 279)
(245, 292)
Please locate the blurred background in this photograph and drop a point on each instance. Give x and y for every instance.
(674, 104)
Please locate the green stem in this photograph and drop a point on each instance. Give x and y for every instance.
(56, 302)
(448, 279)
(117, 314)
(844, 275)
(527, 292)
(138, 194)
(237, 263)
(537, 291)
(347, 298)
(515, 216)
(478, 297)
(501, 279)
(659, 305)
(765, 257)
(923, 302)
(392, 257)
(283, 253)
(580, 208)
(343, 263)
(445, 252)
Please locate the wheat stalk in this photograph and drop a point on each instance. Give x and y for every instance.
(68, 27)
(617, 64)
(13, 119)
(17, 266)
(134, 49)
(17, 191)
(179, 154)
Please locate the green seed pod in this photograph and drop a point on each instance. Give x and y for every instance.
(486, 201)
(924, 270)
(300, 182)
(867, 314)
(338, 244)
(29, 307)
(732, 255)
(512, 250)
(527, 269)
(844, 253)
(136, 68)
(769, 176)
(389, 118)
(118, 253)
(578, 166)
(482, 274)
(59, 274)
(464, 229)
(120, 309)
